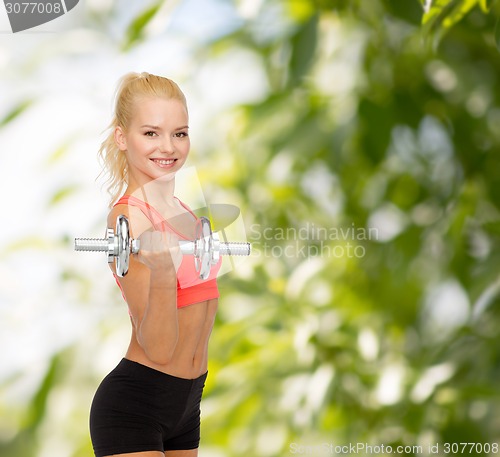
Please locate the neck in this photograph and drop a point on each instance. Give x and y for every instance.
(155, 192)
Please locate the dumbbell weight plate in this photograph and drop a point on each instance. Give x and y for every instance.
(202, 248)
(215, 249)
(122, 246)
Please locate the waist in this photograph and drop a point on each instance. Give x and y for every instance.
(147, 375)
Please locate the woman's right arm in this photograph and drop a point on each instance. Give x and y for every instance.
(150, 287)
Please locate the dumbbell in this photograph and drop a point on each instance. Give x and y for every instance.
(206, 248)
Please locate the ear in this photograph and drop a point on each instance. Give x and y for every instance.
(120, 139)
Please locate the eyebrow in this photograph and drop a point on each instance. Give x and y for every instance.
(156, 127)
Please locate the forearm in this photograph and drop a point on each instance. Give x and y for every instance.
(158, 331)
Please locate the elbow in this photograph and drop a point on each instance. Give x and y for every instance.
(158, 344)
(160, 357)
(160, 353)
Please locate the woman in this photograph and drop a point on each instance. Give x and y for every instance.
(149, 405)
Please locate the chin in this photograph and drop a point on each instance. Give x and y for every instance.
(166, 177)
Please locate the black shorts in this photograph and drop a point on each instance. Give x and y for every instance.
(137, 409)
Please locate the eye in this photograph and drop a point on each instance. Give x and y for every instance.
(181, 134)
(150, 133)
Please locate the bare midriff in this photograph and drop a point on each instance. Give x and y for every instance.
(190, 357)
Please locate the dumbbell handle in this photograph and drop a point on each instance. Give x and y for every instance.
(91, 244)
(187, 247)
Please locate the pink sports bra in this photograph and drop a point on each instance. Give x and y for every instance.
(190, 288)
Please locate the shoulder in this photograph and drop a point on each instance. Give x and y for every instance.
(138, 222)
(183, 205)
(137, 272)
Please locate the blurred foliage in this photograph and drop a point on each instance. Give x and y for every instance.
(136, 28)
(365, 123)
(15, 112)
(338, 334)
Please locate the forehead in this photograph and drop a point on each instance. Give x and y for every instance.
(158, 111)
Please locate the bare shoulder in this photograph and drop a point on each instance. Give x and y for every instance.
(138, 222)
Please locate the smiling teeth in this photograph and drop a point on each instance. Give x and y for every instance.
(164, 162)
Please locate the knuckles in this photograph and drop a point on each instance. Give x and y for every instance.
(160, 242)
(159, 249)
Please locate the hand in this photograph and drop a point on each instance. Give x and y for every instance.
(159, 251)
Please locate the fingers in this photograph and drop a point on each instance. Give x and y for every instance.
(154, 241)
(159, 250)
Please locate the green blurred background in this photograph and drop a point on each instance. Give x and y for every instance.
(360, 140)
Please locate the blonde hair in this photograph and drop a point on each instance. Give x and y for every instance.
(130, 87)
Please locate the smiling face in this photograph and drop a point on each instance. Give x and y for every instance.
(156, 142)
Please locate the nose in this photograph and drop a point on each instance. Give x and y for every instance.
(167, 145)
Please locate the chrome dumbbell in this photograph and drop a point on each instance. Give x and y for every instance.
(206, 248)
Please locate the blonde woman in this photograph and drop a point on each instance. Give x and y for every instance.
(149, 405)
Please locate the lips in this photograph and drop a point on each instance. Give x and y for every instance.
(164, 163)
